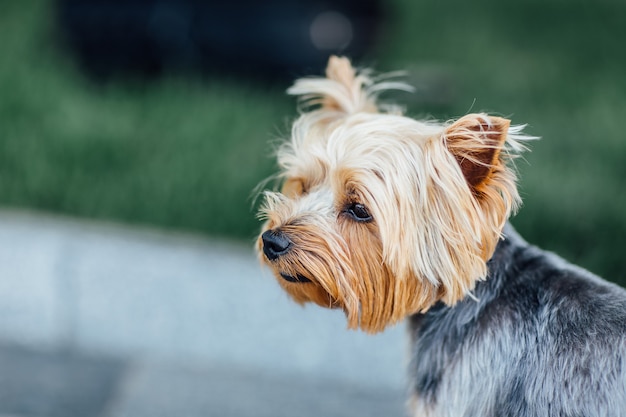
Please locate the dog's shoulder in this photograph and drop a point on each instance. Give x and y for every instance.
(530, 287)
(553, 334)
(562, 291)
(539, 290)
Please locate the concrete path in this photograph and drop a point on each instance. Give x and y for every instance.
(107, 320)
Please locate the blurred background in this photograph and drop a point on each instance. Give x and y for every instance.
(132, 135)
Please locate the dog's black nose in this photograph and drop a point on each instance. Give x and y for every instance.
(275, 244)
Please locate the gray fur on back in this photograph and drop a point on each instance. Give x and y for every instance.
(543, 338)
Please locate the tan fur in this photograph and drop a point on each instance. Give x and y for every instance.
(439, 195)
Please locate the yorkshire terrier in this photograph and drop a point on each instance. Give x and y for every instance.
(391, 218)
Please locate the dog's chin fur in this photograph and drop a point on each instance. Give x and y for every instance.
(438, 194)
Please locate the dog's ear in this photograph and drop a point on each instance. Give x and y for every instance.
(476, 141)
(343, 90)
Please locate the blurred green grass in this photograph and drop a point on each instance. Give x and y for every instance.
(186, 153)
(179, 152)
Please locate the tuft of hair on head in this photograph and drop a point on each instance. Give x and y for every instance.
(344, 89)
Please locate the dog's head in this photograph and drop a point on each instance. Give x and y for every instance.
(379, 214)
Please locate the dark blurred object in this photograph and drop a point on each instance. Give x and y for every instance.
(269, 38)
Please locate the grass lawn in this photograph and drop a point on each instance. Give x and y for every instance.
(186, 153)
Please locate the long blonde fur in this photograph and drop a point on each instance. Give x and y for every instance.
(433, 228)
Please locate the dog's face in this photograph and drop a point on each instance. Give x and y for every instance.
(379, 214)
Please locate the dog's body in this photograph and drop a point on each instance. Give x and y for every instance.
(543, 338)
(389, 218)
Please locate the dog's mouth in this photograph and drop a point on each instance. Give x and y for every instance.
(298, 279)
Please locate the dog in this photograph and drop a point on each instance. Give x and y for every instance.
(390, 218)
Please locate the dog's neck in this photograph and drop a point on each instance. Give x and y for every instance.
(503, 265)
(435, 346)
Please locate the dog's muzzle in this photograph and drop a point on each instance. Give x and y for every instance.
(275, 245)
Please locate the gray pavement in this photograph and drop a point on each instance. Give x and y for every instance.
(107, 320)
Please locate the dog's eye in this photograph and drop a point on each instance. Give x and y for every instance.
(358, 212)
